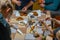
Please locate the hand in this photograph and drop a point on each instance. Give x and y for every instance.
(24, 9)
(7, 20)
(42, 5)
(18, 3)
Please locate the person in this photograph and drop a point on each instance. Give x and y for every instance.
(5, 13)
(52, 5)
(57, 28)
(23, 5)
(55, 31)
(58, 35)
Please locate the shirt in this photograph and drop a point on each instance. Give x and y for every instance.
(52, 5)
(5, 28)
(55, 31)
(3, 21)
(23, 3)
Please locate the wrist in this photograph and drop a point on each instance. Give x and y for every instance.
(26, 7)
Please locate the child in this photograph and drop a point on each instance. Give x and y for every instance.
(6, 12)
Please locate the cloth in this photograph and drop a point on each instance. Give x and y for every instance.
(55, 31)
(23, 3)
(48, 1)
(52, 5)
(5, 31)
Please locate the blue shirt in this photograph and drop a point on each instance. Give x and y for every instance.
(7, 31)
(23, 3)
(53, 5)
(48, 1)
(3, 21)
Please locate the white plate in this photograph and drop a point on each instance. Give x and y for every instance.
(17, 14)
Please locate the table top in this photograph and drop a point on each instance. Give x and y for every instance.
(26, 19)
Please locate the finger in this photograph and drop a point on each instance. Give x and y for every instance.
(24, 9)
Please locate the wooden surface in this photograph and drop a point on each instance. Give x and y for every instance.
(24, 30)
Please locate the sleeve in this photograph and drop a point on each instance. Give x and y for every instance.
(48, 1)
(53, 6)
(2, 20)
(1, 16)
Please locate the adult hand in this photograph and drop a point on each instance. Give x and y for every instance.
(24, 9)
(42, 5)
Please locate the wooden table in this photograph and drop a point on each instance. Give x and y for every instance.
(25, 31)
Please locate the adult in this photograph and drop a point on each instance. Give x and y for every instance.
(23, 5)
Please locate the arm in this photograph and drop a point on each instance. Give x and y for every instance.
(29, 4)
(57, 21)
(16, 2)
(52, 6)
